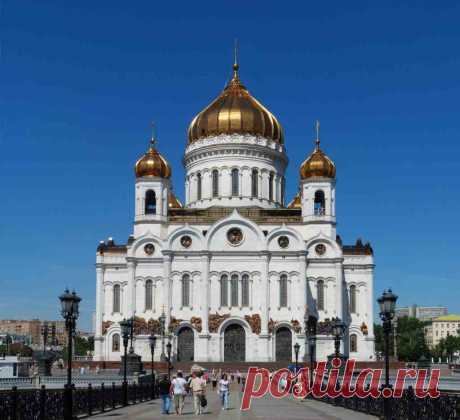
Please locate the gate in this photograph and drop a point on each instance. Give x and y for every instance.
(185, 345)
(283, 339)
(234, 343)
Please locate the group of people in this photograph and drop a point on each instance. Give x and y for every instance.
(195, 385)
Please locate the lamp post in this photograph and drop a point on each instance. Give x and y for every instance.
(168, 349)
(70, 312)
(162, 320)
(338, 330)
(310, 326)
(152, 342)
(125, 327)
(296, 351)
(387, 304)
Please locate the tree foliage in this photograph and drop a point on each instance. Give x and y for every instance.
(410, 339)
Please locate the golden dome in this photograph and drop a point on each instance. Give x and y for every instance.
(295, 202)
(173, 201)
(317, 165)
(235, 111)
(152, 164)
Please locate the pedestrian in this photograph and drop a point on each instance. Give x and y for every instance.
(214, 380)
(238, 376)
(165, 393)
(224, 391)
(178, 388)
(198, 387)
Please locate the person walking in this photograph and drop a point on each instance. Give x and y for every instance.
(224, 391)
(198, 387)
(178, 388)
(214, 379)
(165, 394)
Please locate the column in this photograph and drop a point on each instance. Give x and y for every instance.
(302, 302)
(167, 259)
(130, 298)
(100, 307)
(187, 192)
(206, 188)
(205, 297)
(265, 352)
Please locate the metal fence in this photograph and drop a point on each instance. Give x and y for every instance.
(408, 407)
(48, 404)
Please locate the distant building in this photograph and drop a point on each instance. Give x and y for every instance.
(423, 313)
(442, 327)
(31, 330)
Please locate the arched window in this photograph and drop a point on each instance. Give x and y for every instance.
(224, 290)
(116, 298)
(245, 290)
(234, 290)
(320, 295)
(235, 183)
(283, 291)
(320, 203)
(271, 179)
(353, 299)
(215, 183)
(148, 295)
(116, 342)
(198, 186)
(185, 290)
(255, 183)
(353, 343)
(150, 202)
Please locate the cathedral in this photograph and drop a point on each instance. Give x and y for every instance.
(232, 274)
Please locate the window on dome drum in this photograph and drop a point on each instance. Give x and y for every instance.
(245, 290)
(215, 183)
(224, 290)
(353, 299)
(150, 202)
(116, 343)
(320, 203)
(148, 295)
(198, 186)
(283, 291)
(234, 290)
(320, 295)
(255, 183)
(235, 183)
(116, 298)
(353, 343)
(271, 179)
(185, 290)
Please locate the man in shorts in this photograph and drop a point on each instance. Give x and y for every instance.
(178, 388)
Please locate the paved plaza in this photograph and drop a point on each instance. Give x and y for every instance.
(266, 408)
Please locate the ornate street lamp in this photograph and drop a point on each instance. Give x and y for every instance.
(296, 351)
(162, 320)
(310, 326)
(168, 349)
(338, 330)
(70, 311)
(387, 304)
(125, 327)
(152, 342)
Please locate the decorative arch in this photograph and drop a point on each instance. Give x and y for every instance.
(140, 242)
(297, 244)
(198, 242)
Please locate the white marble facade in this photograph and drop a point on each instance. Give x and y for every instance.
(235, 270)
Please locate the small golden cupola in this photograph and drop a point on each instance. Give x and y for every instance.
(152, 164)
(235, 110)
(296, 202)
(317, 164)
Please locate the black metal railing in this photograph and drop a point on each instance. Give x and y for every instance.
(408, 407)
(48, 404)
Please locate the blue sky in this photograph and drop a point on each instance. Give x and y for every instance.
(81, 81)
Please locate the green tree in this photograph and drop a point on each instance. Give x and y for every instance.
(410, 339)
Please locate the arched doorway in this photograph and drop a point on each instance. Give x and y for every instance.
(234, 343)
(185, 345)
(283, 340)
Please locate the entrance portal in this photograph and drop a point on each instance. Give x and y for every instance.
(185, 345)
(283, 341)
(234, 343)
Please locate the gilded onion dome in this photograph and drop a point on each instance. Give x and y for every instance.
(173, 201)
(152, 164)
(235, 111)
(317, 164)
(295, 203)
